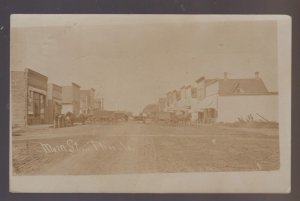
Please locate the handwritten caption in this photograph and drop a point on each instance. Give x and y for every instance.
(72, 146)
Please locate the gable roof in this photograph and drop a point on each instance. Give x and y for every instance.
(210, 81)
(242, 86)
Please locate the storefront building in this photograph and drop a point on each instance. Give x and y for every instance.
(87, 101)
(54, 100)
(71, 99)
(28, 97)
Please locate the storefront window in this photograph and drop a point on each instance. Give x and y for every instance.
(30, 103)
(36, 107)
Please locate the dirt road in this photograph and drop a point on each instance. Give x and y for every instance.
(143, 148)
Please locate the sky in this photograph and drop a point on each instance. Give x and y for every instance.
(132, 60)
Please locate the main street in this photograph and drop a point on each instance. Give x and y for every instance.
(142, 148)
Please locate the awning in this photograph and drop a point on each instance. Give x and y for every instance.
(207, 102)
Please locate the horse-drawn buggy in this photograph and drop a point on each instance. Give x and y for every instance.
(165, 118)
(173, 118)
(105, 116)
(68, 119)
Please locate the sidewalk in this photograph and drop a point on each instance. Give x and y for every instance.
(19, 130)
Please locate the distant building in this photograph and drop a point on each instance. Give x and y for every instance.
(71, 99)
(162, 104)
(184, 103)
(54, 100)
(172, 99)
(98, 104)
(180, 99)
(150, 110)
(87, 101)
(28, 97)
(169, 101)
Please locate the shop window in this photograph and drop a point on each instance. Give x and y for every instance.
(30, 103)
(36, 105)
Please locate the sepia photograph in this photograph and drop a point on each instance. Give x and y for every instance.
(151, 100)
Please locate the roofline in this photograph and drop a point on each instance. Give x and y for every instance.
(200, 79)
(55, 85)
(213, 81)
(85, 90)
(89, 90)
(73, 83)
(33, 71)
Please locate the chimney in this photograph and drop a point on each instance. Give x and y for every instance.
(256, 75)
(225, 75)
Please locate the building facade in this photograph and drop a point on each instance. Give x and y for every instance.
(98, 104)
(28, 97)
(87, 101)
(54, 100)
(224, 99)
(162, 104)
(71, 99)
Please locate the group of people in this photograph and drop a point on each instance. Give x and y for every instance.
(68, 119)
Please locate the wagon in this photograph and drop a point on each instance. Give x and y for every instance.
(105, 116)
(165, 117)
